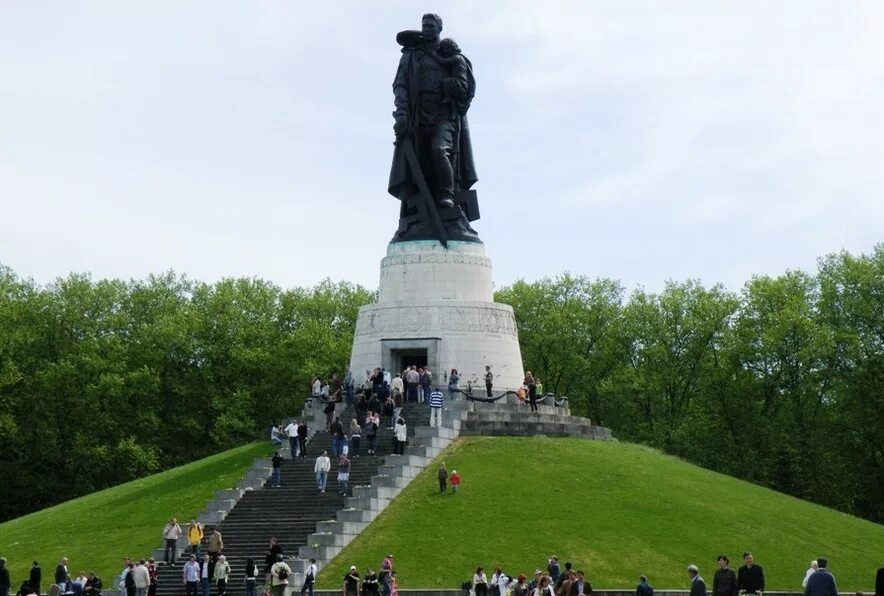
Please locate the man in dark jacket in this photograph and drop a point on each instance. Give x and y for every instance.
(821, 582)
(302, 438)
(5, 580)
(879, 582)
(750, 578)
(272, 555)
(36, 577)
(698, 586)
(93, 585)
(61, 574)
(579, 586)
(644, 588)
(725, 581)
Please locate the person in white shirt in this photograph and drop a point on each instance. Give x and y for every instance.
(81, 579)
(191, 573)
(141, 577)
(309, 578)
(813, 567)
(401, 432)
(171, 533)
(321, 469)
(291, 432)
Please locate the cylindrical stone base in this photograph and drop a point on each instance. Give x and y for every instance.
(435, 306)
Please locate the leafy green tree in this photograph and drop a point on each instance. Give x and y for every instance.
(570, 329)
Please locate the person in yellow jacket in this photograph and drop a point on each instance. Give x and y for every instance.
(195, 536)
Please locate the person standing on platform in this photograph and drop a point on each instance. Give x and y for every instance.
(206, 572)
(194, 536)
(810, 571)
(191, 576)
(351, 582)
(724, 583)
(321, 469)
(698, 586)
(750, 577)
(36, 577)
(349, 389)
(821, 582)
(401, 434)
(355, 437)
(276, 461)
(436, 398)
(309, 578)
(280, 577)
(398, 386)
(5, 579)
(426, 381)
(302, 439)
(61, 574)
(443, 478)
(453, 381)
(216, 544)
(412, 380)
(343, 475)
(489, 380)
(291, 431)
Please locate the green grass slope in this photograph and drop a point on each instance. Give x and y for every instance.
(96, 531)
(616, 510)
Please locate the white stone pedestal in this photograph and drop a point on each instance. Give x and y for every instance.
(438, 304)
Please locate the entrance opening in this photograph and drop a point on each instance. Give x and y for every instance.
(398, 353)
(408, 357)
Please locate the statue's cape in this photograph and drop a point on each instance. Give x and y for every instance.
(400, 172)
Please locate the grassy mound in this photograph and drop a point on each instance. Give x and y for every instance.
(97, 530)
(616, 510)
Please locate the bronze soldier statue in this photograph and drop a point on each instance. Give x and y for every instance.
(433, 169)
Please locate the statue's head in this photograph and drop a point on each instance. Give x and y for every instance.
(448, 47)
(431, 26)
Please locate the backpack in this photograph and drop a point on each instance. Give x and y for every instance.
(282, 573)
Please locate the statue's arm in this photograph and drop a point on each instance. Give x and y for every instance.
(400, 89)
(457, 85)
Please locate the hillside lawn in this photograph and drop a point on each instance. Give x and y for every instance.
(96, 531)
(615, 510)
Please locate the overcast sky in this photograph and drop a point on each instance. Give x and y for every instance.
(642, 141)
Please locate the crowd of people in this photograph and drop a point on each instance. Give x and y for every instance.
(380, 583)
(748, 580)
(80, 584)
(203, 570)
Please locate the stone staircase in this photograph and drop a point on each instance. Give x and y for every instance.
(512, 419)
(249, 515)
(393, 475)
(296, 513)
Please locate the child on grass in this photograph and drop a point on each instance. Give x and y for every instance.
(454, 479)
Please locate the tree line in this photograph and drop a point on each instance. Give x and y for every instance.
(781, 384)
(106, 381)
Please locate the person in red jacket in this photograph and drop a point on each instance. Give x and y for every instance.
(454, 479)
